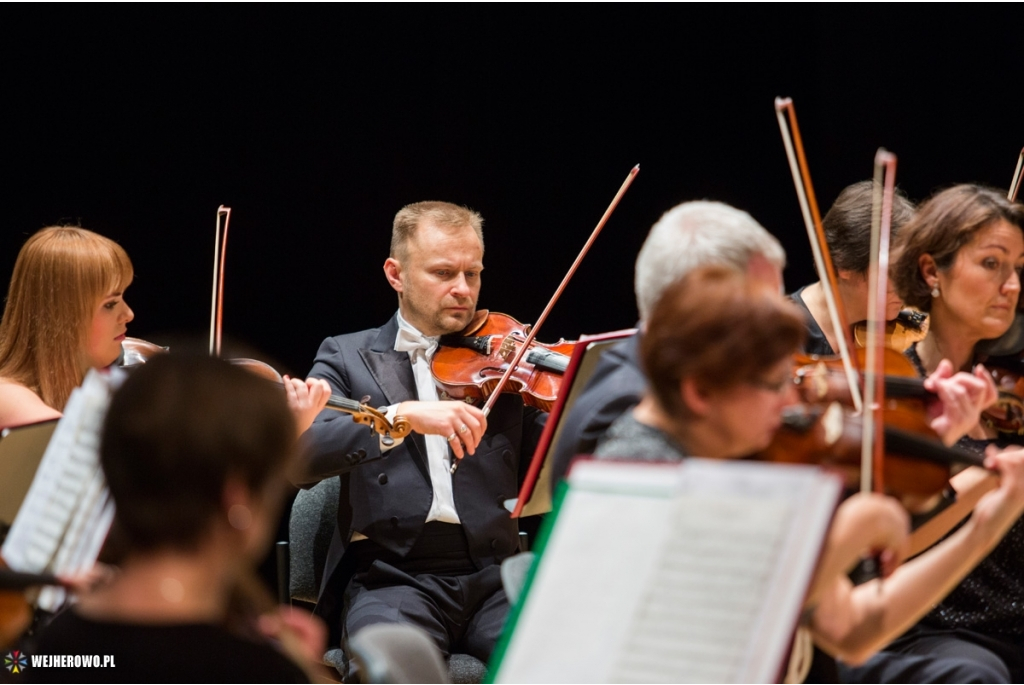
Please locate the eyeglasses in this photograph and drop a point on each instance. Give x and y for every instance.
(776, 386)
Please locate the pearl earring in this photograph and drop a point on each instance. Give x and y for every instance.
(935, 290)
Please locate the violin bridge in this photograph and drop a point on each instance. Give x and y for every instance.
(507, 348)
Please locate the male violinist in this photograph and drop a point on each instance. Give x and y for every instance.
(415, 543)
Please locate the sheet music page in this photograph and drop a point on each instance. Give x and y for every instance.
(698, 580)
(68, 488)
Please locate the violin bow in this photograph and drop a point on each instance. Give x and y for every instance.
(220, 246)
(816, 234)
(1017, 174)
(360, 413)
(524, 346)
(873, 444)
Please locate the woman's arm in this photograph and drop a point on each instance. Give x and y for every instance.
(20, 406)
(852, 623)
(863, 524)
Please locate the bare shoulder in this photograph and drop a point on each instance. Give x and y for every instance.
(19, 405)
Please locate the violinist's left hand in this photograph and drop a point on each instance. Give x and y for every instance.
(962, 398)
(306, 399)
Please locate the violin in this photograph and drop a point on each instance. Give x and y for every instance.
(15, 612)
(917, 466)
(375, 419)
(468, 365)
(135, 351)
(517, 350)
(821, 379)
(910, 326)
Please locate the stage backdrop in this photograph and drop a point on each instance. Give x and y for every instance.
(317, 123)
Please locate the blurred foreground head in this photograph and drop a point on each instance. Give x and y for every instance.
(192, 444)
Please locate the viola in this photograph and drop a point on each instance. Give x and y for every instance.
(468, 365)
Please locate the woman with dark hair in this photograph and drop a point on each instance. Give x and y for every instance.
(196, 454)
(960, 259)
(847, 228)
(718, 356)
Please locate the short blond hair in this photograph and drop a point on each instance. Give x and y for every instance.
(61, 275)
(443, 214)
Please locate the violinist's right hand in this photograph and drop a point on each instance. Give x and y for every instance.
(463, 425)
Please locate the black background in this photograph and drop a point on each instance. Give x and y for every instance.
(317, 123)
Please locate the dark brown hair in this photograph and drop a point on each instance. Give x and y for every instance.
(718, 327)
(177, 429)
(848, 225)
(943, 224)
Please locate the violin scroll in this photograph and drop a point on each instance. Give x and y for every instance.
(361, 413)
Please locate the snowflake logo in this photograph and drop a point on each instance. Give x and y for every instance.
(16, 661)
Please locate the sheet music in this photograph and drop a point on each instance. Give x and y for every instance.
(654, 573)
(66, 513)
(708, 586)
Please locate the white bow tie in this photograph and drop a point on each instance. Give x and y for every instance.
(412, 341)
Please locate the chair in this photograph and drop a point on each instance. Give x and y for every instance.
(513, 575)
(393, 653)
(311, 525)
(310, 529)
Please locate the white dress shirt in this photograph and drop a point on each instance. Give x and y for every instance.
(439, 457)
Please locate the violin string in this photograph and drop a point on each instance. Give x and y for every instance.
(815, 234)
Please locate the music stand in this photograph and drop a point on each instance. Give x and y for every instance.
(535, 493)
(21, 450)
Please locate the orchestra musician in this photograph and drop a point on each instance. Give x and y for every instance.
(195, 453)
(960, 259)
(415, 543)
(686, 237)
(847, 228)
(718, 350)
(65, 314)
